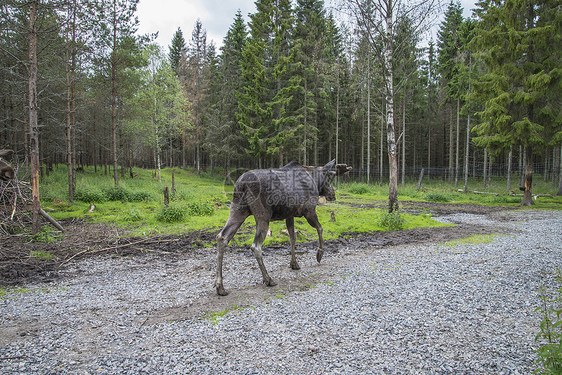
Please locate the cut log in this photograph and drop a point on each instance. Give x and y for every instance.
(51, 220)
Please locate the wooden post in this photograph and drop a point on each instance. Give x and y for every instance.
(173, 182)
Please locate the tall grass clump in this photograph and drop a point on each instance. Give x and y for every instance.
(356, 188)
(438, 197)
(550, 353)
(392, 221)
(90, 195)
(200, 209)
(171, 214)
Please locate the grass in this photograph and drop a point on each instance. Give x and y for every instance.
(438, 191)
(200, 203)
(214, 317)
(476, 239)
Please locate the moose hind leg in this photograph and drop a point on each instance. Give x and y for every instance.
(313, 221)
(223, 238)
(290, 221)
(261, 232)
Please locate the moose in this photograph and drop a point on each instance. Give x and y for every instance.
(277, 194)
(6, 170)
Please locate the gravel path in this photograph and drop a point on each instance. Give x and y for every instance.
(424, 308)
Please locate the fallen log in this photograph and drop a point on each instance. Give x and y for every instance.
(51, 220)
(479, 192)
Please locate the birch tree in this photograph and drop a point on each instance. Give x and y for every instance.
(378, 19)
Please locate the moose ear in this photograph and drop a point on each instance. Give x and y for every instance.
(330, 165)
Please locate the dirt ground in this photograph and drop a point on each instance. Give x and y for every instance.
(82, 240)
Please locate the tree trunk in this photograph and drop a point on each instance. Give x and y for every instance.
(390, 131)
(69, 126)
(509, 157)
(560, 173)
(467, 151)
(403, 140)
(114, 95)
(485, 179)
(451, 148)
(467, 147)
(369, 122)
(457, 144)
(33, 126)
(528, 195)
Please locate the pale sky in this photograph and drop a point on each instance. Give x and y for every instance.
(165, 16)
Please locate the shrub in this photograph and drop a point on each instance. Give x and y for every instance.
(392, 221)
(437, 197)
(358, 189)
(90, 196)
(550, 352)
(116, 193)
(200, 209)
(46, 236)
(171, 214)
(138, 196)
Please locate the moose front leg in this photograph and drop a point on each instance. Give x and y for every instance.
(221, 245)
(290, 221)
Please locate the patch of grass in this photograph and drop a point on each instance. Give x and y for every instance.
(437, 197)
(134, 215)
(476, 239)
(356, 188)
(5, 292)
(46, 235)
(41, 254)
(215, 317)
(203, 201)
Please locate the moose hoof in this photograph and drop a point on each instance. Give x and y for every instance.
(221, 291)
(295, 266)
(269, 282)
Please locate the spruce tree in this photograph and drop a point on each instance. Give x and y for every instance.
(264, 106)
(177, 50)
(515, 43)
(448, 44)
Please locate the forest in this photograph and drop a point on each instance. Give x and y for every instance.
(360, 83)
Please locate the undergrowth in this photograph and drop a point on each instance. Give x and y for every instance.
(550, 335)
